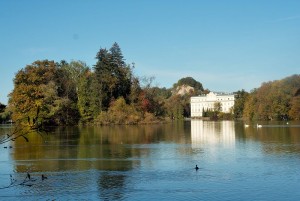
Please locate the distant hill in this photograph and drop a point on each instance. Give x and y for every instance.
(187, 85)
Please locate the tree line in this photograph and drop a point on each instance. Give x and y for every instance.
(274, 100)
(110, 93)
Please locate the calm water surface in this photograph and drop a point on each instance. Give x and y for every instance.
(156, 162)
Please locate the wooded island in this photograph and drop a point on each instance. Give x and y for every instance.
(110, 93)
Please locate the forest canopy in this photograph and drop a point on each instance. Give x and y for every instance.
(274, 100)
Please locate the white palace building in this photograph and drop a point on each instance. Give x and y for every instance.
(207, 102)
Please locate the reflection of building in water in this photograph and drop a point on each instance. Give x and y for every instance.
(210, 132)
(207, 102)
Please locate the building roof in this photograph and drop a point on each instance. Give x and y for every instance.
(218, 94)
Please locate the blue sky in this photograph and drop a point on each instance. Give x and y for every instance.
(226, 45)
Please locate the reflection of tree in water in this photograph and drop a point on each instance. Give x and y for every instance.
(39, 152)
(67, 141)
(94, 147)
(111, 186)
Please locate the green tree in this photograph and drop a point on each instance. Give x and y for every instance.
(105, 81)
(113, 76)
(86, 97)
(69, 81)
(239, 103)
(121, 71)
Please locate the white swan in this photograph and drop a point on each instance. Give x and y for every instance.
(258, 125)
(246, 125)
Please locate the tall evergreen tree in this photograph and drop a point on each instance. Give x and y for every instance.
(121, 71)
(113, 76)
(104, 82)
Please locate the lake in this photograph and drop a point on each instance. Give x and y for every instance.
(155, 162)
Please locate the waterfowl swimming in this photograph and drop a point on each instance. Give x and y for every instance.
(44, 177)
(258, 125)
(196, 168)
(246, 125)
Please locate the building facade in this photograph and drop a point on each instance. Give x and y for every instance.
(207, 102)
